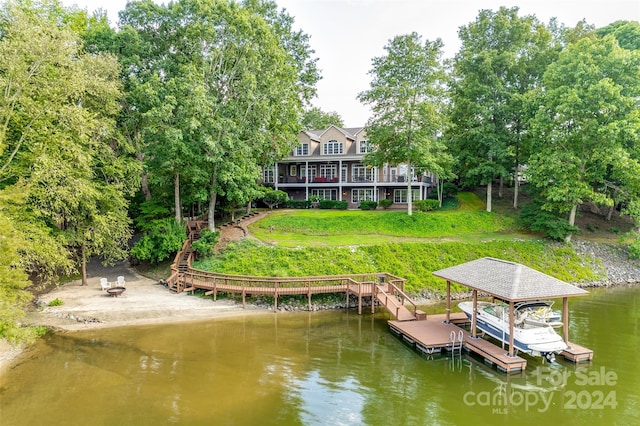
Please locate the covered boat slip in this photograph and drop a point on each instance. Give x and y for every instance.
(512, 283)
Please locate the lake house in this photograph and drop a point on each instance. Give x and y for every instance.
(328, 163)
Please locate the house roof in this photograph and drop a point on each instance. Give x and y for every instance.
(350, 133)
(509, 281)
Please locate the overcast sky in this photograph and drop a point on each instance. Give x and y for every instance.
(347, 34)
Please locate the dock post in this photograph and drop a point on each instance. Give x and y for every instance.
(565, 320)
(475, 313)
(448, 302)
(275, 298)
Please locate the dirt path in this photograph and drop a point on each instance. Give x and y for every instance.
(236, 232)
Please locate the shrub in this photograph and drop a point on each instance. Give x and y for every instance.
(368, 205)
(427, 205)
(539, 220)
(163, 239)
(298, 204)
(333, 204)
(327, 204)
(273, 197)
(206, 244)
(449, 190)
(55, 302)
(385, 203)
(634, 245)
(314, 198)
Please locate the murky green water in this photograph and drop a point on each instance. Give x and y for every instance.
(334, 368)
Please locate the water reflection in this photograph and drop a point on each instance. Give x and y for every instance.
(317, 368)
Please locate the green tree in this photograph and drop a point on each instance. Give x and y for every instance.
(626, 32)
(58, 142)
(315, 119)
(587, 125)
(502, 57)
(407, 97)
(221, 93)
(273, 197)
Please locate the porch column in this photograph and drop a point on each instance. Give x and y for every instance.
(306, 179)
(339, 180)
(276, 178)
(375, 184)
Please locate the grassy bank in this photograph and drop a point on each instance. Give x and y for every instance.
(326, 242)
(326, 228)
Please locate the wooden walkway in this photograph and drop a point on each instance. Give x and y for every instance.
(433, 335)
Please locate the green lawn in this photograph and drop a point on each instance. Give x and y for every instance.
(330, 228)
(330, 242)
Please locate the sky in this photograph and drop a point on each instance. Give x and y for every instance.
(347, 34)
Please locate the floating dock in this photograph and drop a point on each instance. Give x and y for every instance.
(434, 334)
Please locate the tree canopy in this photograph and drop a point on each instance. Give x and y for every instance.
(502, 57)
(587, 126)
(407, 98)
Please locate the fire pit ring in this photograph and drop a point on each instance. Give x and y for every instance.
(115, 291)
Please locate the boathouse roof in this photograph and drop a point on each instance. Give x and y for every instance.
(509, 281)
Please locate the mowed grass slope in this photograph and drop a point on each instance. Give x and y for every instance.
(347, 242)
(315, 227)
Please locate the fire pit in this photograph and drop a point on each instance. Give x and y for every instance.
(115, 291)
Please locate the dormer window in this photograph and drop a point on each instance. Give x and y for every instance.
(332, 147)
(365, 147)
(301, 150)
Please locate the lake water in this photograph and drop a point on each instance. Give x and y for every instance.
(330, 368)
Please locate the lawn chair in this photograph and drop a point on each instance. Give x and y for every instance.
(104, 284)
(120, 282)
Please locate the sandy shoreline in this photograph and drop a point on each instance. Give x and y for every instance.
(144, 302)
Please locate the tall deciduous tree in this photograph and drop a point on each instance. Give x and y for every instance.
(587, 125)
(57, 138)
(221, 94)
(501, 58)
(407, 95)
(314, 118)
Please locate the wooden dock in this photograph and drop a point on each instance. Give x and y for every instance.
(433, 335)
(577, 353)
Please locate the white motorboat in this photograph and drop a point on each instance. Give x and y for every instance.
(536, 339)
(537, 313)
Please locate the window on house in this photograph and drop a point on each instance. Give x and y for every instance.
(268, 176)
(325, 194)
(361, 173)
(311, 173)
(303, 149)
(365, 147)
(400, 195)
(328, 171)
(292, 170)
(358, 195)
(332, 148)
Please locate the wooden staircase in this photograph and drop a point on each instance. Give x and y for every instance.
(394, 306)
